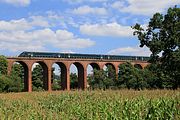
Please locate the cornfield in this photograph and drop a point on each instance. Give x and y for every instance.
(91, 105)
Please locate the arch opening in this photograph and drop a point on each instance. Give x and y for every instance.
(138, 66)
(91, 71)
(76, 76)
(39, 76)
(20, 76)
(110, 75)
(59, 76)
(108, 65)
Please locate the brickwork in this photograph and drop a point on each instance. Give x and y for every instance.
(64, 64)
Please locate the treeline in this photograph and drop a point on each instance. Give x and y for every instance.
(130, 77)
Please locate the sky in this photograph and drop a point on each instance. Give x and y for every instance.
(76, 26)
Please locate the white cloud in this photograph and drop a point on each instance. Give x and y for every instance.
(83, 10)
(17, 2)
(118, 4)
(35, 34)
(68, 40)
(81, 1)
(111, 29)
(130, 51)
(39, 21)
(12, 25)
(144, 7)
(37, 40)
(67, 51)
(23, 24)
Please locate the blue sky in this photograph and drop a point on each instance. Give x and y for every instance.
(78, 26)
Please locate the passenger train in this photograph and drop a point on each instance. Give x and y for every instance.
(81, 56)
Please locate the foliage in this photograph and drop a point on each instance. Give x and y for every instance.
(18, 70)
(162, 37)
(103, 79)
(130, 77)
(3, 65)
(56, 80)
(10, 83)
(73, 80)
(94, 105)
(56, 84)
(37, 78)
(156, 78)
(13, 82)
(5, 83)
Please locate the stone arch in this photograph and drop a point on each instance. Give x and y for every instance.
(45, 73)
(110, 64)
(25, 73)
(95, 66)
(81, 74)
(63, 75)
(111, 74)
(90, 71)
(92, 66)
(139, 66)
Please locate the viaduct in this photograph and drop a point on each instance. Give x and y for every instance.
(64, 61)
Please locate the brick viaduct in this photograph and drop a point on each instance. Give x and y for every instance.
(64, 64)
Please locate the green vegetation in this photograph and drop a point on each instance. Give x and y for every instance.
(103, 79)
(162, 37)
(91, 105)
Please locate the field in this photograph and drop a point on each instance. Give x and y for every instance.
(91, 105)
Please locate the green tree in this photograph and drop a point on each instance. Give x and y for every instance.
(130, 77)
(13, 82)
(110, 78)
(96, 80)
(103, 79)
(37, 78)
(162, 37)
(156, 78)
(56, 81)
(3, 65)
(5, 83)
(10, 83)
(73, 80)
(18, 70)
(17, 77)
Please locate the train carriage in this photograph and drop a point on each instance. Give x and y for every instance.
(81, 56)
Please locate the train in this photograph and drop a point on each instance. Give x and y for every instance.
(81, 56)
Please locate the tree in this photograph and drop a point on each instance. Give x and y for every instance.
(37, 78)
(130, 77)
(12, 82)
(162, 37)
(73, 80)
(5, 83)
(17, 77)
(3, 65)
(103, 79)
(56, 80)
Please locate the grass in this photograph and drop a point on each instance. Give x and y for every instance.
(91, 105)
